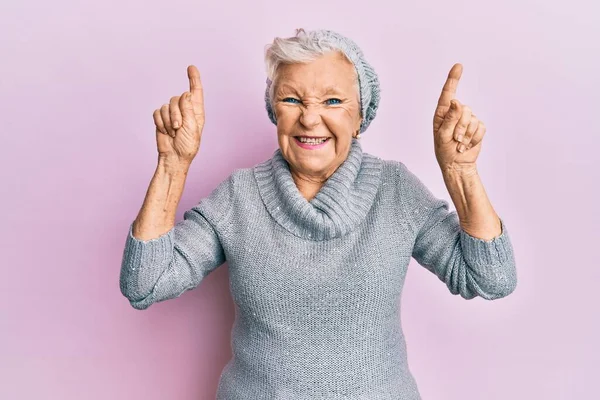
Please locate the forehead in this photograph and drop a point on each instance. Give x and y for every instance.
(330, 72)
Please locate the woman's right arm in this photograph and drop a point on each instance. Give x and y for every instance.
(162, 259)
(179, 126)
(157, 215)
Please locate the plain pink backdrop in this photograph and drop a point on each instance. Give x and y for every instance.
(79, 83)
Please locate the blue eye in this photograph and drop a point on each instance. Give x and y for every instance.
(335, 100)
(289, 98)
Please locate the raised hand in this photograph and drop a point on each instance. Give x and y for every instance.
(179, 123)
(456, 130)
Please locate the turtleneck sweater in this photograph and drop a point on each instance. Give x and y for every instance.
(317, 284)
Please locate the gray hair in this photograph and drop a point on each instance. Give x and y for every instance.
(308, 46)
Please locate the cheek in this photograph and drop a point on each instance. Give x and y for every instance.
(286, 117)
(340, 118)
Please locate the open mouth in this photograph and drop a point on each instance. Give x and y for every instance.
(310, 141)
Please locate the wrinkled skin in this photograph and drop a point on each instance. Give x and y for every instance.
(317, 99)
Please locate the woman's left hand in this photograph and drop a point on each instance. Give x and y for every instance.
(457, 132)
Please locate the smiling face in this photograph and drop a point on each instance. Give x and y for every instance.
(320, 100)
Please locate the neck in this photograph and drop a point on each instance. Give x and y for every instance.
(336, 206)
(307, 186)
(308, 191)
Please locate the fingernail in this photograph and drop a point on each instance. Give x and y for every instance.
(453, 105)
(176, 124)
(461, 148)
(459, 138)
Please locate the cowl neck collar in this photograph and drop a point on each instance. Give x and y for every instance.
(341, 204)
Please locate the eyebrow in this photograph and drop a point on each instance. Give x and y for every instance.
(328, 89)
(333, 89)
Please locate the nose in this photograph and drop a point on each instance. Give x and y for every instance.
(310, 116)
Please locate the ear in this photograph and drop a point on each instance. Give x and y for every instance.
(357, 128)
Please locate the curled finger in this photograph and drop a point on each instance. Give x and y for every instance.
(159, 122)
(466, 141)
(175, 112)
(478, 136)
(463, 124)
(166, 117)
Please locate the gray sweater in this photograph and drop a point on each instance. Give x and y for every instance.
(317, 284)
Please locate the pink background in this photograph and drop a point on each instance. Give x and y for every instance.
(78, 86)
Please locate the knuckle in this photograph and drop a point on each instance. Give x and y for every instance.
(164, 107)
(174, 99)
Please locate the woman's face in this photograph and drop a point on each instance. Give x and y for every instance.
(320, 100)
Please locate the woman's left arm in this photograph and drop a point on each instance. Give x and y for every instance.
(469, 265)
(471, 253)
(476, 214)
(458, 135)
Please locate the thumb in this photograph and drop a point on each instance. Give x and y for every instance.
(187, 108)
(446, 130)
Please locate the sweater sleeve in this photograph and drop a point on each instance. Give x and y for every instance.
(469, 266)
(164, 267)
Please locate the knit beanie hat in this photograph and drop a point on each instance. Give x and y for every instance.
(367, 78)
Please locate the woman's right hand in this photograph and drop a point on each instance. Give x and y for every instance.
(179, 124)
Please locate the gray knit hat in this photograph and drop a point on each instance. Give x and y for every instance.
(367, 78)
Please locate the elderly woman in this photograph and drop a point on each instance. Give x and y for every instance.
(318, 237)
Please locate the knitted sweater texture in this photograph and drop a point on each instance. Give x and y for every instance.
(318, 283)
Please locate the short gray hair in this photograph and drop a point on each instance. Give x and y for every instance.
(308, 46)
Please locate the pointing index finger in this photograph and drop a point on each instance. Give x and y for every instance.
(449, 90)
(195, 83)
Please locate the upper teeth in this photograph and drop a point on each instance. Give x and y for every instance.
(311, 140)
